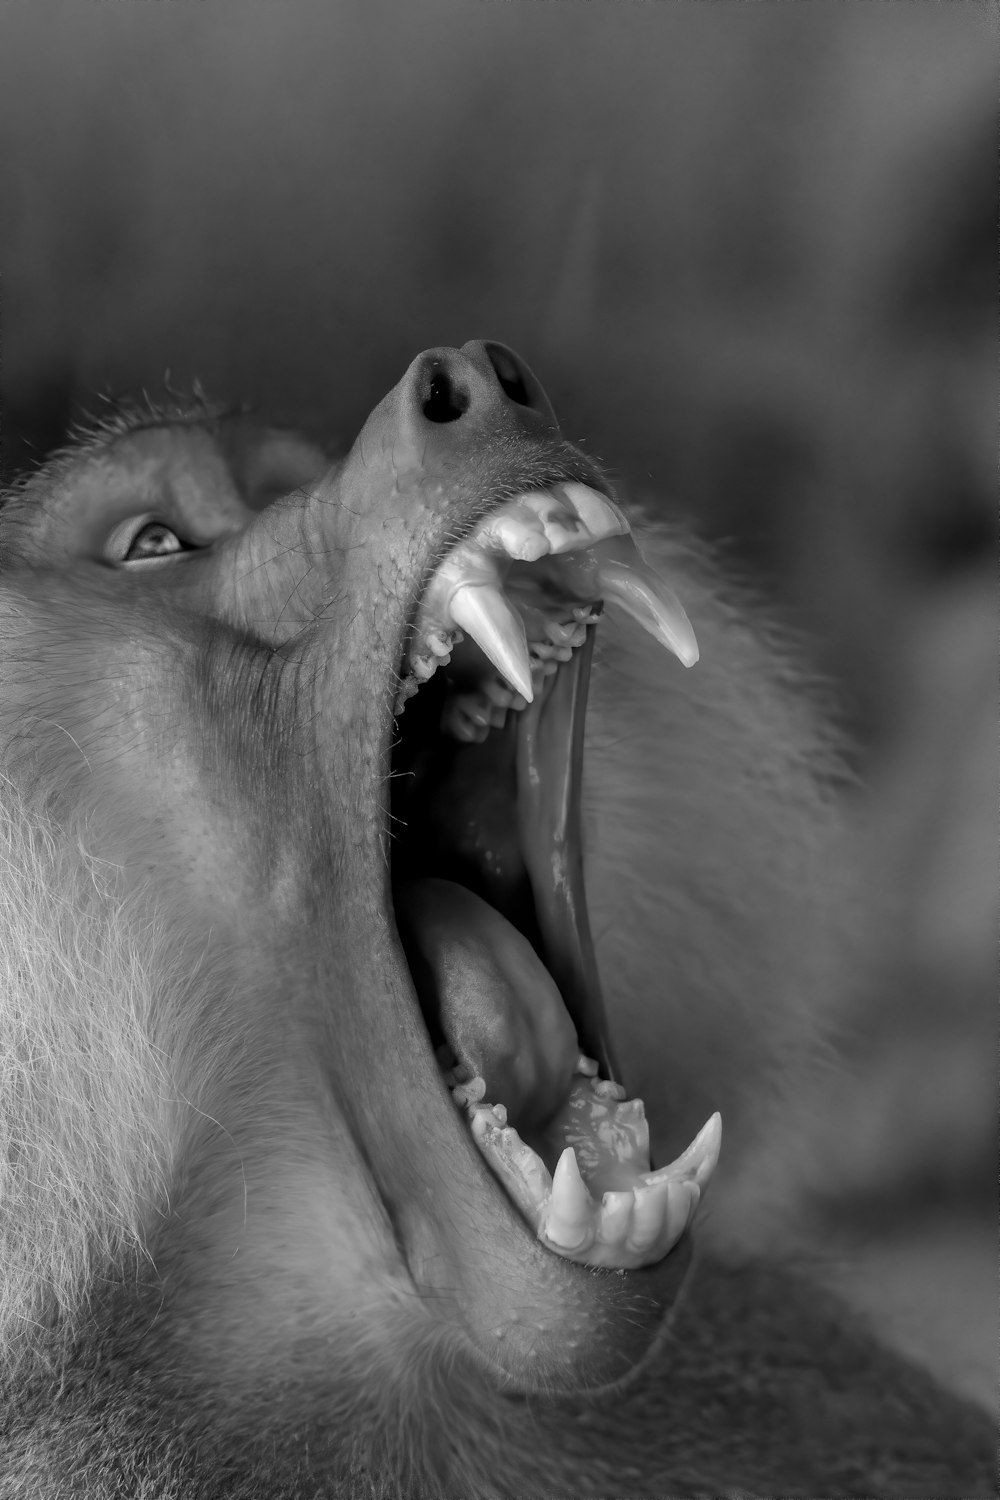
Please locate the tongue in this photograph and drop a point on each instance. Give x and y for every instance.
(495, 1002)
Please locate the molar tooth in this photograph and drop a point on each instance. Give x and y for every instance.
(474, 705)
(543, 651)
(631, 1116)
(605, 1089)
(600, 515)
(456, 723)
(565, 636)
(519, 1168)
(569, 1222)
(542, 669)
(644, 596)
(423, 667)
(440, 642)
(481, 610)
(471, 1092)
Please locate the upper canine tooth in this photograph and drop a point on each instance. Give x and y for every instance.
(644, 596)
(600, 515)
(465, 564)
(481, 610)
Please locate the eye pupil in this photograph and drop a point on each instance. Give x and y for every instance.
(154, 540)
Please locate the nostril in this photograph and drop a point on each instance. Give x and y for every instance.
(445, 401)
(509, 374)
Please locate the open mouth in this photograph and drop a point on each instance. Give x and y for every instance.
(487, 870)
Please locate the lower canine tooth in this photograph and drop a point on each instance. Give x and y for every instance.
(682, 1200)
(468, 1093)
(569, 1222)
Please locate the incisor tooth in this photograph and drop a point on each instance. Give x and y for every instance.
(615, 1217)
(648, 1216)
(481, 610)
(651, 603)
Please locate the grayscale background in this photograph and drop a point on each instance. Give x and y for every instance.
(751, 251)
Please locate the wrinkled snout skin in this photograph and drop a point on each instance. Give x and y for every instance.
(436, 453)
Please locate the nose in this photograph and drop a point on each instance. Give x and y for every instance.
(449, 398)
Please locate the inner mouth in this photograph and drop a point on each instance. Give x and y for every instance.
(487, 870)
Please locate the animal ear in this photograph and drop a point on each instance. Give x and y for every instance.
(269, 462)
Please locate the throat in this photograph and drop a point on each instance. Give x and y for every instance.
(489, 893)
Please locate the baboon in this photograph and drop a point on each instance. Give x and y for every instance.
(341, 942)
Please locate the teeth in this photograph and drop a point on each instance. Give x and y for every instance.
(605, 1089)
(570, 517)
(470, 716)
(466, 593)
(698, 1161)
(481, 610)
(569, 635)
(516, 532)
(600, 516)
(564, 530)
(569, 1220)
(651, 603)
(629, 1227)
(614, 1218)
(441, 643)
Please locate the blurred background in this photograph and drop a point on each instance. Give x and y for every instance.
(751, 251)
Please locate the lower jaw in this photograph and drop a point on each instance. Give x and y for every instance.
(530, 1321)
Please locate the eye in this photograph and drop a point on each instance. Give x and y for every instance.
(142, 539)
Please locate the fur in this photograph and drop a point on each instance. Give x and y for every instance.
(162, 1097)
